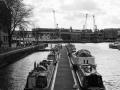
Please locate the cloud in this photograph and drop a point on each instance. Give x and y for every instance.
(69, 18)
(73, 12)
(115, 20)
(72, 16)
(80, 5)
(46, 10)
(33, 2)
(79, 14)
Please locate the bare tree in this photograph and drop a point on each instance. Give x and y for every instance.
(19, 15)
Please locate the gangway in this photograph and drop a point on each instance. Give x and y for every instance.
(64, 79)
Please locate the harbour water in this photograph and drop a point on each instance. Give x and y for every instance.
(108, 63)
(13, 77)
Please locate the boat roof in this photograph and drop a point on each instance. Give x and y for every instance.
(51, 54)
(83, 53)
(37, 73)
(41, 69)
(69, 45)
(83, 50)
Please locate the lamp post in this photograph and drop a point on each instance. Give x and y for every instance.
(34, 31)
(23, 38)
(51, 42)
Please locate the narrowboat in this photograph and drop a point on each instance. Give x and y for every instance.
(89, 78)
(40, 77)
(82, 56)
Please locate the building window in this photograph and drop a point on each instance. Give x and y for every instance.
(87, 61)
(84, 61)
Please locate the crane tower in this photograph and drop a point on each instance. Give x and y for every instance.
(85, 25)
(55, 23)
(94, 25)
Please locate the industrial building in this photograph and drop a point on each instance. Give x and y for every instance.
(110, 33)
(70, 34)
(46, 34)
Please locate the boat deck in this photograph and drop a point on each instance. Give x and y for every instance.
(64, 79)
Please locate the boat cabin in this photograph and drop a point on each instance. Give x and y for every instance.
(88, 69)
(93, 81)
(52, 56)
(36, 80)
(83, 57)
(91, 78)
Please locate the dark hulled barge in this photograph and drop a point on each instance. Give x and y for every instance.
(40, 77)
(71, 47)
(89, 78)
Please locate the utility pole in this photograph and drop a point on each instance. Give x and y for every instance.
(23, 35)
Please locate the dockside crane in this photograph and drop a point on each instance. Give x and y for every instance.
(55, 23)
(94, 25)
(85, 25)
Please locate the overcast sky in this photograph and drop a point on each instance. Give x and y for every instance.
(73, 13)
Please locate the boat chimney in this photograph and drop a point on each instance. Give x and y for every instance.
(90, 67)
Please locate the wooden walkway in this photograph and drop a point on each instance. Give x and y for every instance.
(64, 79)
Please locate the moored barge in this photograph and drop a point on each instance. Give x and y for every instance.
(40, 77)
(85, 68)
(82, 56)
(89, 78)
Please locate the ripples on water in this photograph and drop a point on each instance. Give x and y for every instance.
(108, 63)
(13, 77)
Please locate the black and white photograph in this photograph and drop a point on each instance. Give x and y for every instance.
(59, 44)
